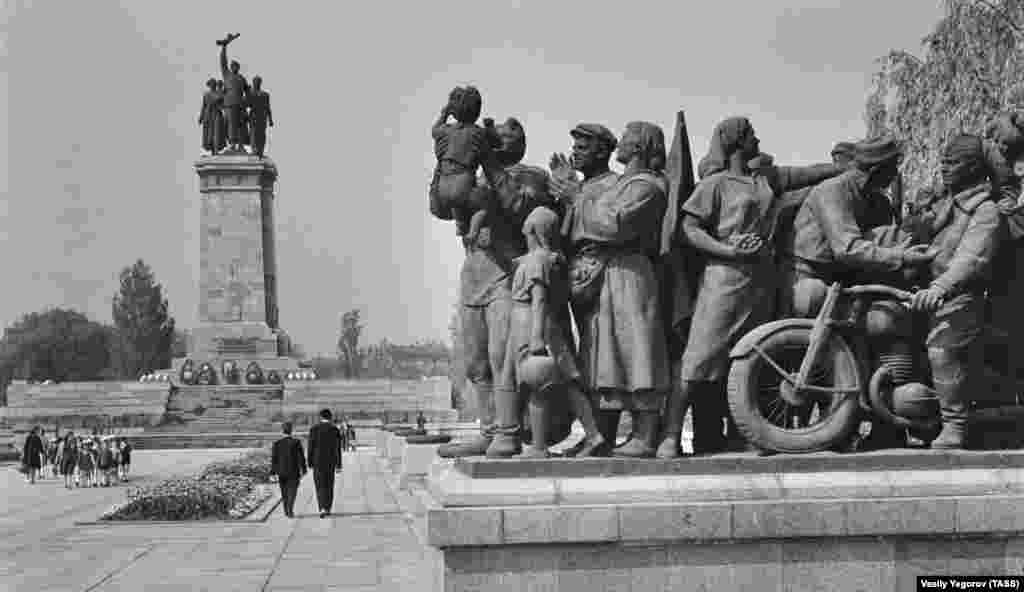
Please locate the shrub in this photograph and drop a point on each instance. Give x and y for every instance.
(193, 498)
(254, 465)
(222, 490)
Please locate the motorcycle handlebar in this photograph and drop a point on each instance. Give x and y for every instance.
(880, 290)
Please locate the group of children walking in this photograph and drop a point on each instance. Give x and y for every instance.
(86, 461)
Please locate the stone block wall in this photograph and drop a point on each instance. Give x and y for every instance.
(85, 403)
(220, 408)
(372, 397)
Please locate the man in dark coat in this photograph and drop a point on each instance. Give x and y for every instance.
(324, 458)
(288, 462)
(32, 455)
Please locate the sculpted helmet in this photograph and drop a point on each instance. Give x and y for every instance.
(538, 373)
(915, 401)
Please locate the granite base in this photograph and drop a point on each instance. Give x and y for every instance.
(416, 462)
(734, 522)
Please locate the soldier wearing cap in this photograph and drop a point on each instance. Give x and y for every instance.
(839, 234)
(844, 232)
(592, 149)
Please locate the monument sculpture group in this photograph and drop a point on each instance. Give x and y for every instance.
(234, 114)
(783, 305)
(238, 341)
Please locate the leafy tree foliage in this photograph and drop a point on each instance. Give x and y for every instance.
(145, 328)
(58, 344)
(971, 70)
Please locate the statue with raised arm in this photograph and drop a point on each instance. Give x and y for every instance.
(236, 92)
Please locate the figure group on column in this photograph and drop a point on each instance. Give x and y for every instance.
(233, 113)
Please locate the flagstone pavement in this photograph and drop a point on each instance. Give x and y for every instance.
(372, 542)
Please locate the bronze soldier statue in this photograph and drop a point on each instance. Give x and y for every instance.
(260, 116)
(210, 117)
(966, 231)
(236, 90)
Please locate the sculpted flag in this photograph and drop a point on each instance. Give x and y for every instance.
(680, 267)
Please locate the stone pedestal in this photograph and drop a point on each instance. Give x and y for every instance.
(395, 446)
(382, 443)
(416, 462)
(870, 521)
(238, 305)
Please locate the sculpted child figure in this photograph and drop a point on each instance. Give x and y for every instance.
(461, 148)
(538, 350)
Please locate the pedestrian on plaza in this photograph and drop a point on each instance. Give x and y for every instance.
(86, 464)
(115, 447)
(58, 452)
(324, 459)
(126, 458)
(32, 455)
(69, 459)
(44, 455)
(288, 462)
(51, 457)
(351, 431)
(344, 438)
(105, 463)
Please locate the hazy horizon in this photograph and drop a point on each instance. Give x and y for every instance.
(103, 134)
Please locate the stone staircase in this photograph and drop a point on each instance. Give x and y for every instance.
(224, 419)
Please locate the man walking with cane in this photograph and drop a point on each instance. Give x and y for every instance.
(289, 464)
(324, 458)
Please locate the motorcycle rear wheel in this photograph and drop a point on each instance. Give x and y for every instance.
(764, 417)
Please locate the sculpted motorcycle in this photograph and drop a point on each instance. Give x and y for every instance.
(804, 385)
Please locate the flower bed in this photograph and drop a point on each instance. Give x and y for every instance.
(254, 465)
(223, 490)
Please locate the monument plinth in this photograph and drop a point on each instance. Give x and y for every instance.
(238, 311)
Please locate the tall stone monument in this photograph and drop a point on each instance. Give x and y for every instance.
(238, 273)
(238, 310)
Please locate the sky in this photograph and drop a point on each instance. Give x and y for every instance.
(101, 100)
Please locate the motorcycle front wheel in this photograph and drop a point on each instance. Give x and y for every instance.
(768, 421)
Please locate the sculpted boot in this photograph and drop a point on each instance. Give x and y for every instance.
(478, 445)
(608, 425)
(538, 447)
(645, 431)
(678, 401)
(949, 374)
(507, 440)
(707, 420)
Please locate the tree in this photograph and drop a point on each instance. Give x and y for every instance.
(348, 343)
(58, 344)
(140, 314)
(969, 73)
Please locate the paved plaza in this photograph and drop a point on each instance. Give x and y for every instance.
(371, 543)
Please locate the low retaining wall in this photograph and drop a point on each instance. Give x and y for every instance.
(219, 408)
(152, 441)
(731, 522)
(86, 404)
